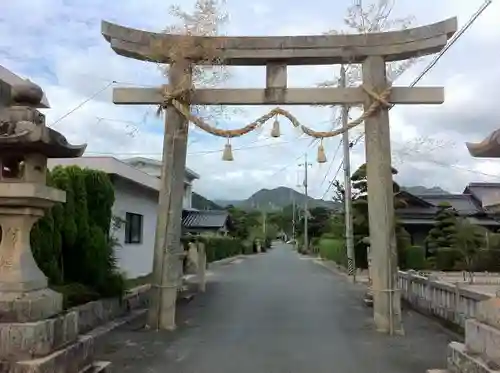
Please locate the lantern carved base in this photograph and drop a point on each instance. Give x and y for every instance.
(24, 295)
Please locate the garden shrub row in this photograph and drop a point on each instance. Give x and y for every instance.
(218, 248)
(450, 259)
(71, 243)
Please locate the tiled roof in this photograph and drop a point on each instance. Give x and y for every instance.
(214, 219)
(462, 203)
(483, 192)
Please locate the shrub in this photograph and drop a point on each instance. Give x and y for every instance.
(333, 249)
(71, 243)
(332, 236)
(218, 248)
(247, 247)
(415, 258)
(75, 294)
(446, 258)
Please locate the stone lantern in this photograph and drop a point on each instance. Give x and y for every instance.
(25, 145)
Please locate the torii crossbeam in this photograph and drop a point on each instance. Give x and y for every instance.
(276, 53)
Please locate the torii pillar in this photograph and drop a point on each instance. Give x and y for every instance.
(276, 53)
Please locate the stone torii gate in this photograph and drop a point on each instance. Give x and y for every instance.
(276, 53)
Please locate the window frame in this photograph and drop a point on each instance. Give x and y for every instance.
(132, 218)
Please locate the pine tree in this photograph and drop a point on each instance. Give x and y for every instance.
(443, 234)
(361, 221)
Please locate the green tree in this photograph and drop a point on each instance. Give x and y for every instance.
(443, 234)
(243, 221)
(360, 217)
(468, 240)
(318, 222)
(338, 192)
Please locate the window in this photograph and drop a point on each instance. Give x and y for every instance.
(133, 228)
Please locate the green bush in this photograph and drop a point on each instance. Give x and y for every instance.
(247, 247)
(333, 249)
(486, 260)
(75, 294)
(415, 258)
(218, 248)
(447, 258)
(71, 243)
(332, 236)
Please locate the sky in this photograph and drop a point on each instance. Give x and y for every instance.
(58, 45)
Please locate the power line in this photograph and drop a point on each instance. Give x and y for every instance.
(333, 180)
(436, 58)
(90, 98)
(331, 163)
(200, 152)
(452, 41)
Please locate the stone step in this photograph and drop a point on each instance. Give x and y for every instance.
(77, 356)
(437, 371)
(459, 361)
(483, 340)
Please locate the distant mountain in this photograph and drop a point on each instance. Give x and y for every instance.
(276, 199)
(421, 190)
(201, 203)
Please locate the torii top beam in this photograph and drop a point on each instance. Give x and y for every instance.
(290, 50)
(488, 148)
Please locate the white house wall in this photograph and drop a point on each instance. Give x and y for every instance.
(135, 259)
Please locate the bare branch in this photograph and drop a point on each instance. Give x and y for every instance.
(207, 19)
(374, 17)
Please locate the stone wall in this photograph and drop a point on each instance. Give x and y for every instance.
(93, 314)
(446, 301)
(66, 342)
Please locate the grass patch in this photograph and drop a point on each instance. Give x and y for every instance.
(333, 249)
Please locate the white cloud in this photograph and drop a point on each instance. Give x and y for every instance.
(60, 46)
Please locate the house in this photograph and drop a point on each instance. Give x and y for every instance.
(137, 182)
(206, 222)
(153, 167)
(418, 217)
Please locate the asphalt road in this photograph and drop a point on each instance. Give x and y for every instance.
(278, 313)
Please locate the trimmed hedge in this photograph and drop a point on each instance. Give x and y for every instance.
(452, 260)
(447, 258)
(415, 258)
(71, 243)
(218, 248)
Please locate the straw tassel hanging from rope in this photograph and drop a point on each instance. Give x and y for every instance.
(321, 153)
(227, 154)
(275, 132)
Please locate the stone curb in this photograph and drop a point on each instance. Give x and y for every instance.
(335, 268)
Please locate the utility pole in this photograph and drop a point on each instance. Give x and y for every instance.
(293, 215)
(264, 223)
(306, 208)
(349, 234)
